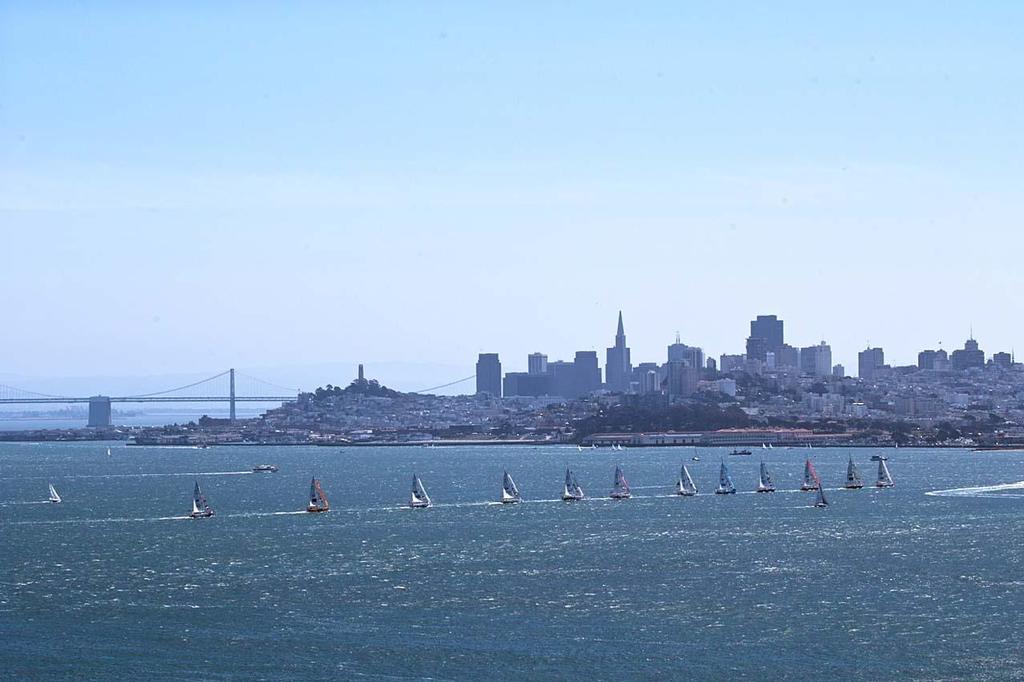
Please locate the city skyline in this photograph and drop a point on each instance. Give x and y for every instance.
(499, 178)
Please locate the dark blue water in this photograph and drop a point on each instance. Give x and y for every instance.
(884, 584)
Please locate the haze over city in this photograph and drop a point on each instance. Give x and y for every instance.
(416, 185)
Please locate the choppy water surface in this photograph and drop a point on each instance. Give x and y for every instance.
(883, 584)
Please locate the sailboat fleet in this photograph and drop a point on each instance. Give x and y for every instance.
(572, 491)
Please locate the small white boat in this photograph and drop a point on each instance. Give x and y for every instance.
(572, 491)
(621, 490)
(685, 485)
(725, 486)
(108, 452)
(419, 498)
(764, 480)
(509, 491)
(579, 448)
(54, 497)
(200, 508)
(884, 477)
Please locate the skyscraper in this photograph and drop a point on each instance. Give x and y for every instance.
(537, 363)
(691, 355)
(816, 360)
(618, 369)
(968, 356)
(869, 360)
(769, 328)
(488, 375)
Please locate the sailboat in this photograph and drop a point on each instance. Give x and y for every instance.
(764, 481)
(810, 477)
(317, 499)
(200, 508)
(579, 448)
(108, 452)
(54, 497)
(621, 490)
(884, 478)
(725, 486)
(685, 486)
(509, 491)
(820, 501)
(572, 492)
(419, 498)
(853, 480)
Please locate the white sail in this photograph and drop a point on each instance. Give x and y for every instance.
(884, 478)
(572, 490)
(54, 497)
(685, 485)
(509, 491)
(200, 508)
(419, 497)
(853, 479)
(764, 481)
(725, 486)
(821, 501)
(108, 452)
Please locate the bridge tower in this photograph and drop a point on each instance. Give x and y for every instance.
(232, 395)
(99, 411)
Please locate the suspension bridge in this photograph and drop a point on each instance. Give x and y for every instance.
(220, 388)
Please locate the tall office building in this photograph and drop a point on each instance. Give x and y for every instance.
(537, 363)
(769, 328)
(868, 361)
(967, 357)
(757, 349)
(816, 360)
(618, 370)
(588, 372)
(488, 375)
(926, 359)
(691, 355)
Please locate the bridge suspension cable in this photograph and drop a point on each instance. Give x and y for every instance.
(15, 392)
(450, 383)
(181, 388)
(264, 382)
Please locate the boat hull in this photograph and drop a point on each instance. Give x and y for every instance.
(316, 510)
(725, 492)
(856, 486)
(885, 485)
(620, 496)
(808, 488)
(512, 501)
(201, 515)
(765, 490)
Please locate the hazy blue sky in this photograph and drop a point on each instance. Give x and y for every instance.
(193, 185)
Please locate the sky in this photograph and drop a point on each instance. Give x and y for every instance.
(188, 186)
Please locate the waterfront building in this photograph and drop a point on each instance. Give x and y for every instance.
(816, 360)
(967, 357)
(617, 363)
(488, 375)
(537, 363)
(869, 361)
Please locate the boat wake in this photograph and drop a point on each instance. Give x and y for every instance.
(149, 475)
(11, 504)
(979, 491)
